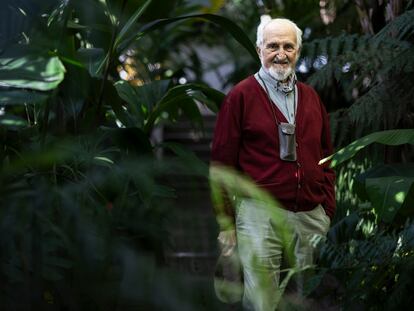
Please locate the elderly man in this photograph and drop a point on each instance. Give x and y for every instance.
(275, 130)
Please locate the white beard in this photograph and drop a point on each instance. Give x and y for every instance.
(280, 74)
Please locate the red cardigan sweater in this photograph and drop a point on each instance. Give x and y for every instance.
(246, 138)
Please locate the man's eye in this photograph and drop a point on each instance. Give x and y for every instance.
(289, 47)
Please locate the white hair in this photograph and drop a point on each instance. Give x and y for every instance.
(266, 19)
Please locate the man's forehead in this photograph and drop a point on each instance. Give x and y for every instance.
(279, 30)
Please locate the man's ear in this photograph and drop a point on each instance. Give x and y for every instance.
(258, 51)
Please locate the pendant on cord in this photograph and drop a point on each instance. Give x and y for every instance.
(287, 141)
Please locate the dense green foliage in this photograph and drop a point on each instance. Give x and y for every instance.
(84, 197)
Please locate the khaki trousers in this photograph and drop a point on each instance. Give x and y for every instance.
(265, 235)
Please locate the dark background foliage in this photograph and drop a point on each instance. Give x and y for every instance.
(90, 190)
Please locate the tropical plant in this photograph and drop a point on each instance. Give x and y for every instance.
(370, 251)
(84, 197)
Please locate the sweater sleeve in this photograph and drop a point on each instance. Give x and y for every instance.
(327, 150)
(225, 152)
(227, 132)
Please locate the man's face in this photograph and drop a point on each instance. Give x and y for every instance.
(279, 52)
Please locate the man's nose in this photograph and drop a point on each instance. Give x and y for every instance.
(280, 54)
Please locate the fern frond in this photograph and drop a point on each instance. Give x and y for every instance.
(381, 262)
(401, 28)
(402, 62)
(387, 101)
(332, 46)
(364, 59)
(340, 126)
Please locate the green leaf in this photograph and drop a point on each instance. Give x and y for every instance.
(15, 97)
(12, 122)
(387, 194)
(184, 98)
(390, 137)
(223, 22)
(388, 170)
(141, 99)
(130, 23)
(73, 25)
(206, 95)
(31, 72)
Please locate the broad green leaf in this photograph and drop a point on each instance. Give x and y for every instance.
(142, 99)
(210, 97)
(131, 22)
(223, 22)
(184, 98)
(15, 97)
(388, 170)
(387, 194)
(31, 72)
(390, 137)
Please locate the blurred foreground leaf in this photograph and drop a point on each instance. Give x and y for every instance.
(390, 137)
